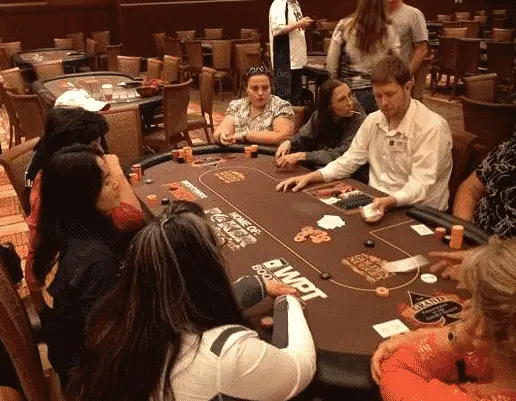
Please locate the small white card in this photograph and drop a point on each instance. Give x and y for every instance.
(421, 229)
(406, 265)
(391, 328)
(329, 222)
(330, 201)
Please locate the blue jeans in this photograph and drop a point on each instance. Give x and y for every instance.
(366, 99)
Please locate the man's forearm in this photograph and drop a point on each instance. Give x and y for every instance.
(265, 137)
(465, 202)
(287, 29)
(417, 58)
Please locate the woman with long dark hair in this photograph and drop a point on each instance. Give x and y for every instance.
(78, 194)
(173, 328)
(357, 44)
(329, 131)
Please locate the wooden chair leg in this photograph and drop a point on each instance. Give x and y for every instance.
(187, 137)
(206, 133)
(221, 93)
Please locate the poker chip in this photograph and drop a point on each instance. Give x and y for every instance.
(299, 238)
(369, 243)
(326, 238)
(382, 292)
(325, 275)
(149, 181)
(267, 321)
(316, 236)
(316, 240)
(429, 278)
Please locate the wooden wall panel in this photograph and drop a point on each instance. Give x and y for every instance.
(139, 21)
(36, 24)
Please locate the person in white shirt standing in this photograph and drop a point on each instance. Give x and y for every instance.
(287, 47)
(408, 146)
(410, 24)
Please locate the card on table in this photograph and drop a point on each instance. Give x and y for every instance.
(391, 328)
(421, 229)
(406, 265)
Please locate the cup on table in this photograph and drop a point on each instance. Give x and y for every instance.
(107, 92)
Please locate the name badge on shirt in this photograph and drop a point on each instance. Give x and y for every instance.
(397, 144)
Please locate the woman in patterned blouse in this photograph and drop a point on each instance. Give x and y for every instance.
(260, 117)
(473, 360)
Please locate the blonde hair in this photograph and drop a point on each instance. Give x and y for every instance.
(490, 275)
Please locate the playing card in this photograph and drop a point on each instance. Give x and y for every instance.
(330, 222)
(390, 328)
(330, 201)
(421, 229)
(406, 265)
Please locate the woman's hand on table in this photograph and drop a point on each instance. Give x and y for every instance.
(227, 138)
(291, 159)
(449, 265)
(276, 288)
(283, 149)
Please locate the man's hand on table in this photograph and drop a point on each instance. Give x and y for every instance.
(283, 150)
(290, 160)
(227, 138)
(299, 182)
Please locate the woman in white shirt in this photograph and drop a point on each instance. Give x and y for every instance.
(357, 44)
(173, 329)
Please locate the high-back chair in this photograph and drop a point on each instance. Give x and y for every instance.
(18, 338)
(444, 17)
(128, 64)
(503, 35)
(447, 63)
(125, 133)
(195, 56)
(159, 40)
(248, 33)
(93, 54)
(468, 59)
(77, 40)
(30, 112)
(186, 35)
(500, 60)
(103, 38)
(198, 120)
(48, 69)
(472, 28)
(173, 47)
(214, 33)
(175, 107)
(15, 162)
(14, 79)
(221, 56)
(14, 127)
(112, 53)
(61, 43)
(457, 33)
(11, 48)
(463, 16)
(241, 60)
(481, 87)
(4, 60)
(154, 68)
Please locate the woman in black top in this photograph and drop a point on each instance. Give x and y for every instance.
(328, 133)
(77, 196)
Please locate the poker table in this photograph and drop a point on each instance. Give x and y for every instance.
(71, 59)
(257, 227)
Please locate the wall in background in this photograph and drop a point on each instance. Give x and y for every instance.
(36, 24)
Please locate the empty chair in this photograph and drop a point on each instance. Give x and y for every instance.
(468, 60)
(14, 128)
(481, 87)
(77, 40)
(195, 56)
(93, 54)
(499, 13)
(214, 33)
(103, 39)
(13, 78)
(473, 28)
(173, 47)
(481, 18)
(173, 69)
(447, 62)
(129, 65)
(198, 120)
(481, 12)
(499, 22)
(457, 33)
(154, 67)
(48, 69)
(463, 16)
(60, 43)
(452, 24)
(4, 60)
(175, 106)
(248, 33)
(500, 60)
(125, 133)
(503, 35)
(221, 55)
(493, 123)
(159, 40)
(15, 162)
(186, 35)
(240, 59)
(112, 53)
(420, 79)
(11, 48)
(444, 17)
(30, 112)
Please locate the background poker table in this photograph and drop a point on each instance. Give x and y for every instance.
(238, 196)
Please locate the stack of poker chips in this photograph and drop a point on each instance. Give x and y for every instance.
(188, 152)
(136, 173)
(251, 151)
(454, 240)
(178, 155)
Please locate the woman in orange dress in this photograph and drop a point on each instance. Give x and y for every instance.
(474, 359)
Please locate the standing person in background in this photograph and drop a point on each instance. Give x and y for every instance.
(287, 47)
(357, 44)
(410, 24)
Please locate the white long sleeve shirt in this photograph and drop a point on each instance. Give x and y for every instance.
(412, 163)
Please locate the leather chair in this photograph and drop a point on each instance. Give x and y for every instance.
(198, 120)
(481, 87)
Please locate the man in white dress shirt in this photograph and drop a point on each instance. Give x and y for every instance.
(408, 146)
